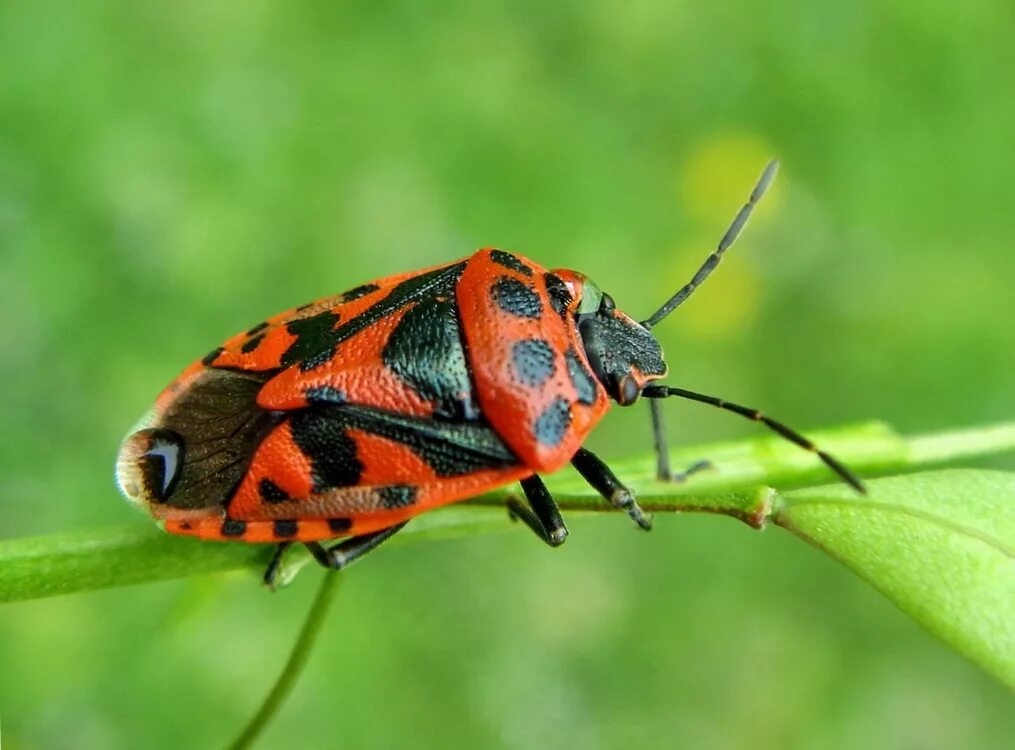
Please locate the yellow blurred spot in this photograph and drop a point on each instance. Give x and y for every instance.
(714, 183)
(718, 176)
(723, 305)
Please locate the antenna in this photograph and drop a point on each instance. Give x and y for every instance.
(727, 239)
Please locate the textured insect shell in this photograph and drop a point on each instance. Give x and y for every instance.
(262, 347)
(260, 351)
(531, 380)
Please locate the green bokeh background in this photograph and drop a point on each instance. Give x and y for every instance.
(171, 173)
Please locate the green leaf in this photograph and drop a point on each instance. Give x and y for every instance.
(941, 545)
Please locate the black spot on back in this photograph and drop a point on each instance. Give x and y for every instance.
(560, 297)
(315, 339)
(516, 298)
(583, 381)
(285, 528)
(322, 337)
(212, 356)
(450, 448)
(252, 343)
(397, 496)
(360, 291)
(425, 351)
(502, 258)
(324, 394)
(234, 527)
(257, 329)
(533, 362)
(339, 525)
(552, 424)
(271, 492)
(331, 451)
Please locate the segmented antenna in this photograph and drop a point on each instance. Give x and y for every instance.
(727, 239)
(665, 391)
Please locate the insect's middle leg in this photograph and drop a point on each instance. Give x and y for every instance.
(605, 482)
(541, 514)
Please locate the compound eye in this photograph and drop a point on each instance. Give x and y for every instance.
(627, 391)
(607, 304)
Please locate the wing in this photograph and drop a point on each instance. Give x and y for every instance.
(532, 380)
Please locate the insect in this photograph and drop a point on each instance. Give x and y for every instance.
(346, 417)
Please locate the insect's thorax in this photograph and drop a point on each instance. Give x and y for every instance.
(533, 380)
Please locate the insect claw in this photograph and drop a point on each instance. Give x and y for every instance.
(643, 519)
(622, 499)
(682, 476)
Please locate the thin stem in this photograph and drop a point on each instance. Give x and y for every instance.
(297, 661)
(32, 568)
(941, 447)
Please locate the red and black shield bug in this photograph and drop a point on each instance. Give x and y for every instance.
(348, 416)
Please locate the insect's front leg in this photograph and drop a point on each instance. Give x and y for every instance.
(605, 482)
(663, 471)
(659, 442)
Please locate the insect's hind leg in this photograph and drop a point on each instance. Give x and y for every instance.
(275, 565)
(541, 514)
(350, 550)
(338, 557)
(663, 471)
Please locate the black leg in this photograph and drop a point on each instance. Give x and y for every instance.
(681, 476)
(271, 573)
(605, 482)
(541, 514)
(664, 391)
(350, 550)
(663, 472)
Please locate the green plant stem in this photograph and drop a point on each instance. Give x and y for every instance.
(91, 559)
(945, 447)
(294, 666)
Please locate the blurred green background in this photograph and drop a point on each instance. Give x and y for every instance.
(171, 173)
